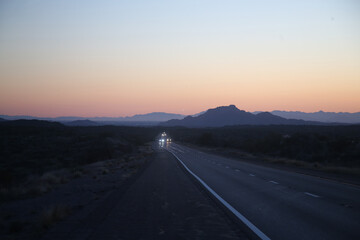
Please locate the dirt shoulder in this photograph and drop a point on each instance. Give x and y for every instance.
(66, 195)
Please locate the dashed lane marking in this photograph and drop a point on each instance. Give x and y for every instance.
(310, 194)
(274, 182)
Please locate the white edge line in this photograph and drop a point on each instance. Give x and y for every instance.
(310, 194)
(253, 228)
(274, 182)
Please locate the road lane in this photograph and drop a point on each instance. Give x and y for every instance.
(162, 202)
(284, 205)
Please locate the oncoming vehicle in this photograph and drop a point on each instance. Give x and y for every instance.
(164, 139)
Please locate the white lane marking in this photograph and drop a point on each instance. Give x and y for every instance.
(179, 150)
(227, 167)
(252, 227)
(251, 175)
(310, 194)
(237, 170)
(274, 182)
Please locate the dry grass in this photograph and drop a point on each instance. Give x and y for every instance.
(51, 178)
(289, 162)
(40, 188)
(54, 214)
(34, 185)
(146, 150)
(315, 166)
(104, 171)
(16, 227)
(342, 170)
(76, 173)
(38, 185)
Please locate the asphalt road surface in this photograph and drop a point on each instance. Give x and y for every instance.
(280, 204)
(163, 202)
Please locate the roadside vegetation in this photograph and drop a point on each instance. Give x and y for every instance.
(328, 148)
(50, 172)
(37, 155)
(35, 151)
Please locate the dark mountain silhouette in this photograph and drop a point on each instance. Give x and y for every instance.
(231, 115)
(149, 117)
(198, 114)
(31, 123)
(2, 120)
(19, 117)
(84, 123)
(329, 117)
(155, 116)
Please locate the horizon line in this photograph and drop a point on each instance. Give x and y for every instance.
(74, 116)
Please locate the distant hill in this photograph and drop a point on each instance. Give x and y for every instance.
(84, 123)
(155, 117)
(198, 114)
(18, 117)
(31, 123)
(231, 115)
(139, 118)
(328, 117)
(2, 120)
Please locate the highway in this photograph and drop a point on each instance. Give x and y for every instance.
(159, 202)
(280, 204)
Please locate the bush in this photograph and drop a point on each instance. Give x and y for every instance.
(54, 214)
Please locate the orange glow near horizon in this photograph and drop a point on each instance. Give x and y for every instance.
(137, 59)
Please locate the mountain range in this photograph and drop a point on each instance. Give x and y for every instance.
(149, 117)
(328, 117)
(231, 115)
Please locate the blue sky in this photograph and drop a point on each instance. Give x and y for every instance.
(124, 57)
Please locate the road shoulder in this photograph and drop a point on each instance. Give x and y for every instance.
(162, 203)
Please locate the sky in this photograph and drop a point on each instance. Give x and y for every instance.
(120, 58)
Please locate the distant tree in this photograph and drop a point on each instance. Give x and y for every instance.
(206, 139)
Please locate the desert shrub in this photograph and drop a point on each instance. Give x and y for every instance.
(206, 139)
(54, 214)
(338, 145)
(35, 149)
